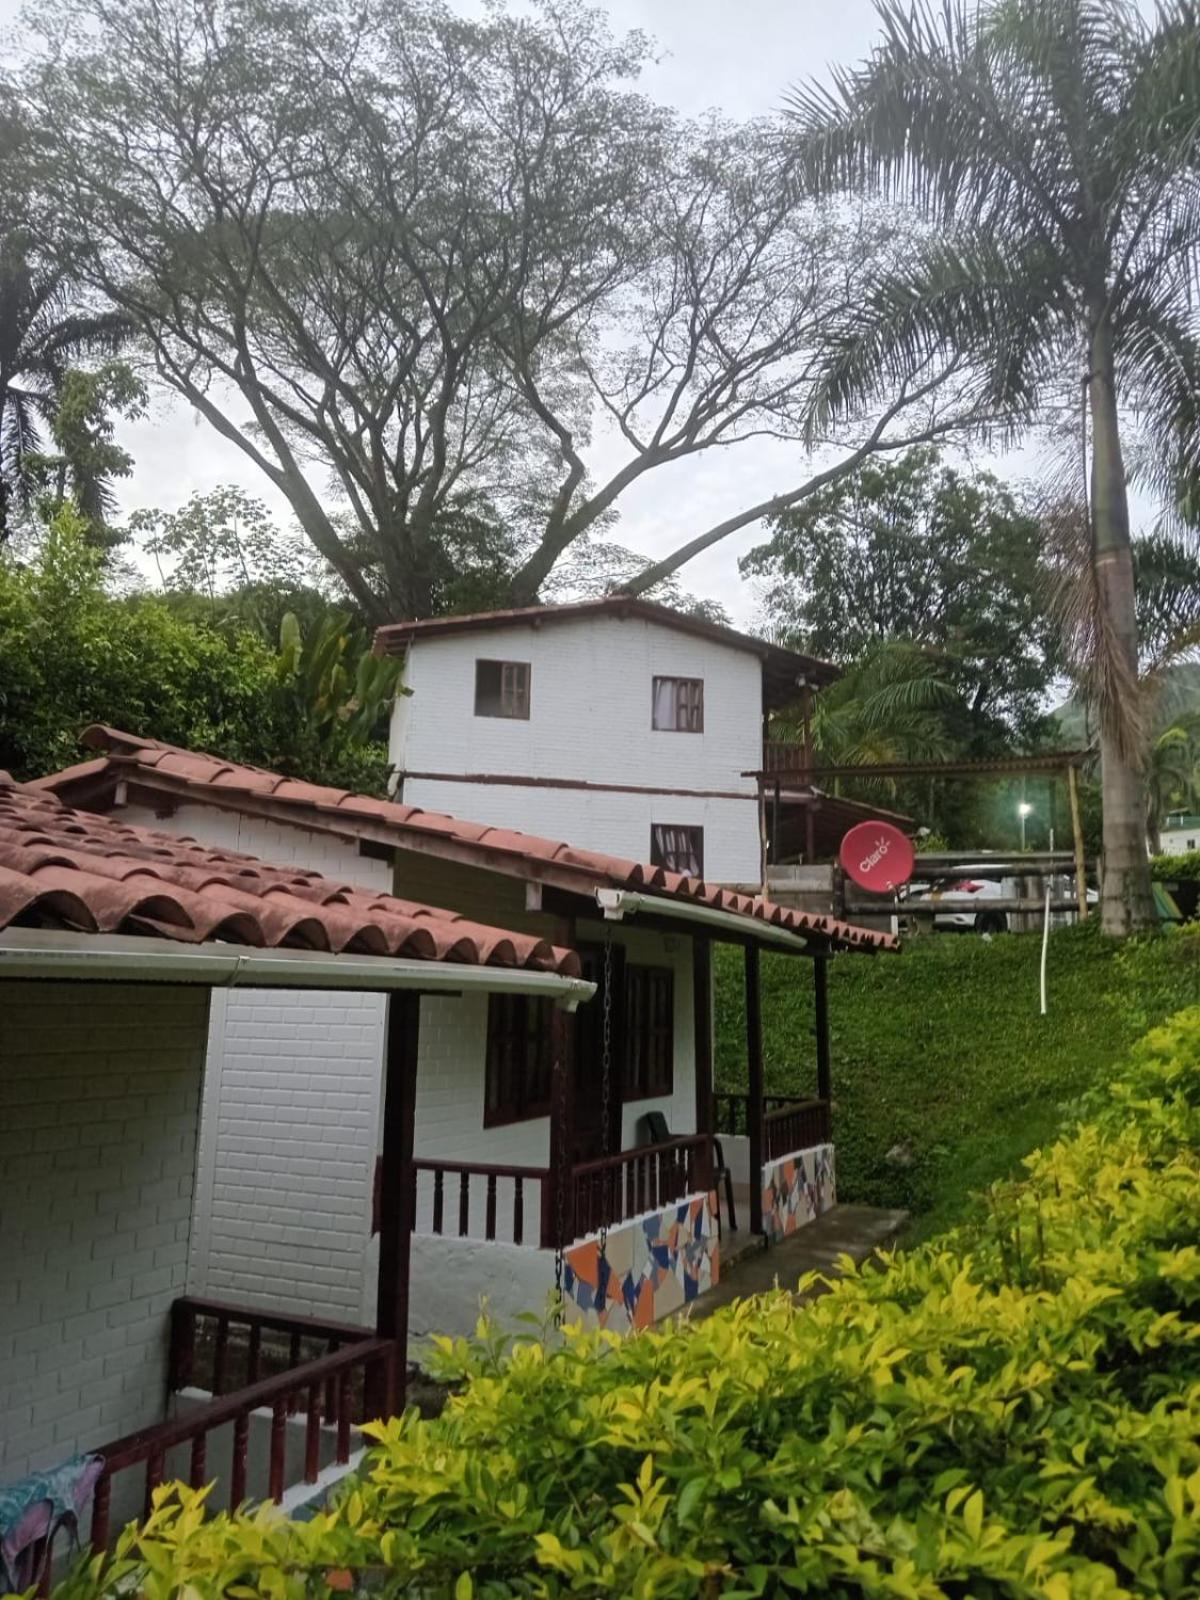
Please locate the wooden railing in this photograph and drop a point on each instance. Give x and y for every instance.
(356, 1378)
(732, 1111)
(221, 1347)
(501, 1193)
(613, 1188)
(797, 1126)
(779, 756)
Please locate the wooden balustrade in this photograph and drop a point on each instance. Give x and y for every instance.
(795, 1126)
(495, 1186)
(732, 1111)
(613, 1188)
(356, 1378)
(220, 1347)
(781, 756)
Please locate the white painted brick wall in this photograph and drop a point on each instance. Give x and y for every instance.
(99, 1110)
(590, 716)
(291, 1101)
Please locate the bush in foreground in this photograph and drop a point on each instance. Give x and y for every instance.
(1012, 1410)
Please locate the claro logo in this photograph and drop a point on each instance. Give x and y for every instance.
(882, 846)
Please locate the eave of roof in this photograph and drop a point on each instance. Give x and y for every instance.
(784, 670)
(85, 872)
(189, 776)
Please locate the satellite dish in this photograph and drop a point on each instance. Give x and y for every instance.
(877, 856)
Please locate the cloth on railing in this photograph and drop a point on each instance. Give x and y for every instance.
(33, 1510)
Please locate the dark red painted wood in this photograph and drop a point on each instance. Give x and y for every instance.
(278, 1463)
(312, 1435)
(241, 1449)
(397, 1183)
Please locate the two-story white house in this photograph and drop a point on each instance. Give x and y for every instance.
(616, 723)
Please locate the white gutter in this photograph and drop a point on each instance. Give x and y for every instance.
(47, 953)
(617, 904)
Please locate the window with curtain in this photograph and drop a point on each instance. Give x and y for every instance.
(502, 689)
(677, 705)
(649, 1032)
(677, 848)
(517, 1081)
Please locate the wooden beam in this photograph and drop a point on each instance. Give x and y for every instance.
(821, 1026)
(397, 1182)
(557, 1229)
(1077, 841)
(754, 1108)
(702, 1030)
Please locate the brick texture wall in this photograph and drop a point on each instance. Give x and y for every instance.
(99, 1109)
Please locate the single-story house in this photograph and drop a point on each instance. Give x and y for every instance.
(535, 1132)
(117, 945)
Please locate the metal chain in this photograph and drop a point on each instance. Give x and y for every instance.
(606, 1083)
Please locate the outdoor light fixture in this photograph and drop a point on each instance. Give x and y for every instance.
(1023, 810)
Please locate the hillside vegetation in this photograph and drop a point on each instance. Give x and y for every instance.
(940, 1055)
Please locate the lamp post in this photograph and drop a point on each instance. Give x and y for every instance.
(1023, 810)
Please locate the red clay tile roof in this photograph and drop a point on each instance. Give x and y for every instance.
(781, 667)
(209, 779)
(75, 869)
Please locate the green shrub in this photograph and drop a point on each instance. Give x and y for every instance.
(1183, 868)
(1010, 1411)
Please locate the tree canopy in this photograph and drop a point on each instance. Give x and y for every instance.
(915, 550)
(408, 261)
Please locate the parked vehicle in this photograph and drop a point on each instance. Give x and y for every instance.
(984, 884)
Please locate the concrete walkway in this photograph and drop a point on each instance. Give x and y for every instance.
(856, 1231)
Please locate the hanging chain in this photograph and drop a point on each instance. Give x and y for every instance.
(606, 1090)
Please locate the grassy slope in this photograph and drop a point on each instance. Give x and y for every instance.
(942, 1049)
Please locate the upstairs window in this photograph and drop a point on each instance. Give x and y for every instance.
(678, 849)
(518, 1059)
(678, 705)
(649, 1032)
(502, 689)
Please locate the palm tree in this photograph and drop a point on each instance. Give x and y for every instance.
(42, 337)
(1052, 148)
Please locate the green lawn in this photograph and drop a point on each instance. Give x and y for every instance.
(942, 1051)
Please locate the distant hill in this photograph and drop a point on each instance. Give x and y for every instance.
(1180, 695)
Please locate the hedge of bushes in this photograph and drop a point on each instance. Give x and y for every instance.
(1183, 868)
(1010, 1410)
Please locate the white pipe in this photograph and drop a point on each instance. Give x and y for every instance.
(47, 953)
(1045, 945)
(617, 904)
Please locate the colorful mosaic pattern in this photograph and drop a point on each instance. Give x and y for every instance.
(653, 1265)
(797, 1189)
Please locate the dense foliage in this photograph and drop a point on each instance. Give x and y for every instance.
(944, 1072)
(1009, 1411)
(1176, 869)
(914, 549)
(71, 654)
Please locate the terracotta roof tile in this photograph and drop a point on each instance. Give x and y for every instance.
(80, 870)
(316, 806)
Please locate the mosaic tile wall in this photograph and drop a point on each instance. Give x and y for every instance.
(797, 1189)
(653, 1265)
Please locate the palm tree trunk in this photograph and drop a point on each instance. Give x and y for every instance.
(1127, 900)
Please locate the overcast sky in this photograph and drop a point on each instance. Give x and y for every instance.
(739, 55)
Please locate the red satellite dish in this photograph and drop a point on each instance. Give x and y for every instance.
(877, 856)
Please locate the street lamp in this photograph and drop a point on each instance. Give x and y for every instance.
(1023, 811)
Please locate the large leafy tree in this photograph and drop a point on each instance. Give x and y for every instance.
(914, 549)
(404, 259)
(1052, 148)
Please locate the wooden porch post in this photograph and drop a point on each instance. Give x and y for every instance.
(702, 1027)
(821, 1026)
(562, 1024)
(397, 1183)
(1077, 841)
(754, 1063)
